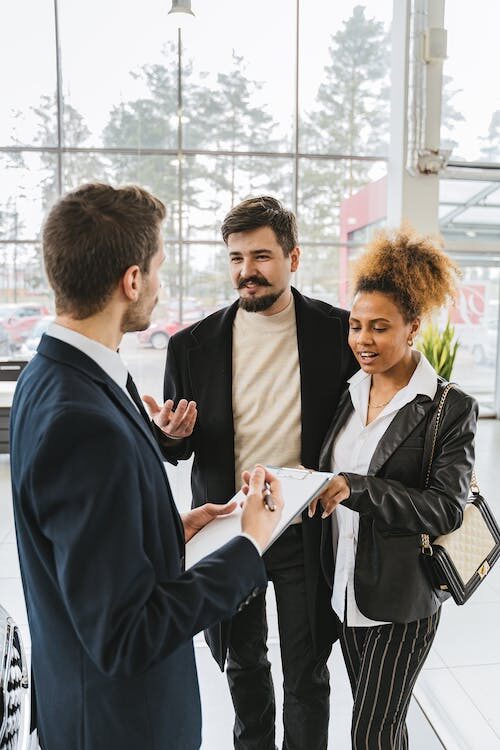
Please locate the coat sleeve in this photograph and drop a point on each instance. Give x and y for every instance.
(175, 387)
(91, 497)
(438, 509)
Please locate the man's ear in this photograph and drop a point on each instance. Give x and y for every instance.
(131, 283)
(295, 257)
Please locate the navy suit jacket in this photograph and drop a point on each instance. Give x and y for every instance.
(199, 367)
(101, 545)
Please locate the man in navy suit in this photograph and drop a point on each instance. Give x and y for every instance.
(101, 545)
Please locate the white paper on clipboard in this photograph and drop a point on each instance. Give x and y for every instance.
(299, 487)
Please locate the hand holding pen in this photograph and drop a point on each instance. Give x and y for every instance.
(268, 498)
(263, 494)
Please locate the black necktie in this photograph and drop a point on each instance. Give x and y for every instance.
(134, 394)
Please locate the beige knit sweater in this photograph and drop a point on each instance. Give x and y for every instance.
(266, 390)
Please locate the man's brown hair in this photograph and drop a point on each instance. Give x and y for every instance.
(263, 211)
(90, 238)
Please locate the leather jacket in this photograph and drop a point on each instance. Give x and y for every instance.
(390, 581)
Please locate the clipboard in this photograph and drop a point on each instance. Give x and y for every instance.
(298, 486)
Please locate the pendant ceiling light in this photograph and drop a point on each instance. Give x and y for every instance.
(181, 6)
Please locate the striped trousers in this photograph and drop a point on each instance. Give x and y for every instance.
(383, 663)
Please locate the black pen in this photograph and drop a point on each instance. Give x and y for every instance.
(268, 498)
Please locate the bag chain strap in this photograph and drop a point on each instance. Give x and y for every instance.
(439, 411)
(474, 487)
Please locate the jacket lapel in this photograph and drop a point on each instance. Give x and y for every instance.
(344, 410)
(210, 366)
(125, 404)
(403, 424)
(320, 347)
(210, 357)
(398, 431)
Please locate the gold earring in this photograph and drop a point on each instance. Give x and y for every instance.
(410, 341)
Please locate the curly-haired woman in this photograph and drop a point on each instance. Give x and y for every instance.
(387, 608)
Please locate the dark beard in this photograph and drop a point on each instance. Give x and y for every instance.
(259, 304)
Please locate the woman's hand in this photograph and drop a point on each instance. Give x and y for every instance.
(336, 490)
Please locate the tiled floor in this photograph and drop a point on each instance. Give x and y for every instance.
(458, 689)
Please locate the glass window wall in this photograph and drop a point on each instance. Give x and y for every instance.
(471, 120)
(475, 318)
(286, 98)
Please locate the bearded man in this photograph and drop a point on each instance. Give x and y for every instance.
(266, 374)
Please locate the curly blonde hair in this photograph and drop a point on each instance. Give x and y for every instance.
(413, 269)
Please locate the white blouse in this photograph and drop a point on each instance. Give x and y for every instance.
(352, 452)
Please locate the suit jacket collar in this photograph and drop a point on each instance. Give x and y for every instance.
(107, 359)
(66, 354)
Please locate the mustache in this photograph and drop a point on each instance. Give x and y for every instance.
(257, 280)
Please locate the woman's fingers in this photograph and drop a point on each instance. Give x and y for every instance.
(341, 491)
(312, 507)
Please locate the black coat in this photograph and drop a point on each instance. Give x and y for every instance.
(390, 582)
(199, 367)
(101, 548)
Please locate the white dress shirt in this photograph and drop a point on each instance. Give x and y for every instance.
(353, 451)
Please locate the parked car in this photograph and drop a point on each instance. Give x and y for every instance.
(480, 340)
(159, 332)
(19, 319)
(5, 344)
(484, 350)
(30, 345)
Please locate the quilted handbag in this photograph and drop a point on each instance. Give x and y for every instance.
(459, 561)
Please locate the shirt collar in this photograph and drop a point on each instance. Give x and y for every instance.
(108, 360)
(422, 382)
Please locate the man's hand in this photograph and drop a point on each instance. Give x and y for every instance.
(257, 520)
(336, 490)
(196, 519)
(175, 423)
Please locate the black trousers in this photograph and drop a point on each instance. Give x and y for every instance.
(383, 663)
(305, 674)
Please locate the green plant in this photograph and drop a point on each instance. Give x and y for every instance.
(439, 348)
